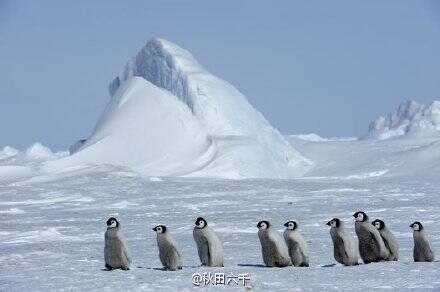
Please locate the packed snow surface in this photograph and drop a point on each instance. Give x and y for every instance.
(169, 116)
(410, 118)
(316, 138)
(53, 224)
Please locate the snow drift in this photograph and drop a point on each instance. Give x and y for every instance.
(312, 137)
(410, 118)
(168, 116)
(15, 164)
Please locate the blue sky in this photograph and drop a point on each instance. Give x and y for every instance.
(327, 67)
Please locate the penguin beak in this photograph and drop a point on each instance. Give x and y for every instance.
(286, 224)
(354, 215)
(154, 229)
(412, 225)
(328, 223)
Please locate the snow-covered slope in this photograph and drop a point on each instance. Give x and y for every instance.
(410, 118)
(168, 116)
(366, 158)
(146, 128)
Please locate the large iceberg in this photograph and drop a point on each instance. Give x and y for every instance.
(410, 118)
(168, 116)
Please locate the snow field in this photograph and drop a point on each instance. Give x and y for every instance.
(56, 240)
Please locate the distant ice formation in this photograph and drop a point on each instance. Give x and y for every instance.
(15, 164)
(410, 117)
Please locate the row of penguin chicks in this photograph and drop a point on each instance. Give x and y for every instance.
(375, 243)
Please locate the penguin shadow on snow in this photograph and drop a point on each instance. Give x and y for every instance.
(338, 265)
(112, 270)
(165, 269)
(263, 266)
(139, 267)
(253, 265)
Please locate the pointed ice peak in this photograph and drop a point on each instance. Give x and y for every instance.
(162, 63)
(177, 56)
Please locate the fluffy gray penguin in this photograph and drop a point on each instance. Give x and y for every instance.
(297, 246)
(389, 240)
(371, 246)
(344, 245)
(116, 255)
(273, 247)
(422, 248)
(169, 253)
(209, 246)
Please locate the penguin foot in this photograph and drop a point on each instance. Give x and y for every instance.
(109, 268)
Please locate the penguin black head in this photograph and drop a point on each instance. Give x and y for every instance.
(416, 226)
(263, 224)
(379, 224)
(335, 222)
(160, 229)
(291, 225)
(360, 216)
(112, 222)
(201, 223)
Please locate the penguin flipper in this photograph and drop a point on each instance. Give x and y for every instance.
(387, 246)
(378, 243)
(204, 253)
(341, 253)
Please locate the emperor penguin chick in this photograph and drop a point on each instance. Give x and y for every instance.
(422, 248)
(209, 246)
(344, 245)
(169, 253)
(371, 245)
(116, 255)
(389, 240)
(273, 247)
(297, 246)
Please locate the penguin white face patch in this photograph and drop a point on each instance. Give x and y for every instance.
(263, 225)
(291, 226)
(113, 223)
(416, 227)
(377, 224)
(201, 224)
(159, 229)
(333, 223)
(360, 217)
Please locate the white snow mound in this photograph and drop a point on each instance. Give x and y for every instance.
(8, 152)
(16, 165)
(410, 117)
(38, 151)
(312, 137)
(168, 116)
